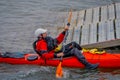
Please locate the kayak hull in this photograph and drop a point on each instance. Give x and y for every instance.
(105, 60)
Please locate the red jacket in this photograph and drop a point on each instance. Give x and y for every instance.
(42, 46)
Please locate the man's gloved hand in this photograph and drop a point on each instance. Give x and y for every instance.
(67, 27)
(68, 24)
(61, 54)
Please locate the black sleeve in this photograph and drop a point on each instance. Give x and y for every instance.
(64, 32)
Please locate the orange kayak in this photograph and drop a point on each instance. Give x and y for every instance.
(105, 60)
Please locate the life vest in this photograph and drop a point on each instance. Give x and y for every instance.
(51, 44)
(34, 47)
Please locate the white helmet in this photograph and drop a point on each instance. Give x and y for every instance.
(40, 31)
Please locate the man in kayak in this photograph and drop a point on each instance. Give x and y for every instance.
(45, 47)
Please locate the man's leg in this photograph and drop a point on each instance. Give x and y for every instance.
(76, 45)
(82, 59)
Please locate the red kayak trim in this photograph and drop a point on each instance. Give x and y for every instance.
(105, 60)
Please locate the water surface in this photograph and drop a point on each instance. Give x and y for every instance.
(18, 21)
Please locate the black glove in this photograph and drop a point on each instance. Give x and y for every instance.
(68, 24)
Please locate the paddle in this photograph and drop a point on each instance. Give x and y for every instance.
(59, 71)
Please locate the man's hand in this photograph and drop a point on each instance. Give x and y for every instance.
(60, 54)
(67, 27)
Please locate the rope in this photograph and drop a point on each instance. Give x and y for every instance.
(93, 51)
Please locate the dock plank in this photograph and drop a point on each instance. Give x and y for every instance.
(117, 27)
(117, 10)
(81, 16)
(70, 35)
(110, 30)
(96, 13)
(104, 44)
(104, 14)
(93, 33)
(88, 18)
(74, 19)
(102, 31)
(85, 34)
(97, 27)
(111, 12)
(73, 24)
(76, 36)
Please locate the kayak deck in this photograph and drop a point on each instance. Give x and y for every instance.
(105, 60)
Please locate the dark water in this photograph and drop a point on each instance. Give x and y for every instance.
(18, 21)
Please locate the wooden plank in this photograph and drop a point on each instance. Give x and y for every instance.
(96, 13)
(117, 10)
(76, 36)
(102, 31)
(73, 24)
(104, 13)
(88, 18)
(110, 30)
(104, 44)
(70, 36)
(81, 16)
(85, 34)
(111, 12)
(74, 19)
(117, 27)
(93, 33)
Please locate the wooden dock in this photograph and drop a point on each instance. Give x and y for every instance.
(96, 27)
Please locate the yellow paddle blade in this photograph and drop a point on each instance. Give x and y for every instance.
(59, 71)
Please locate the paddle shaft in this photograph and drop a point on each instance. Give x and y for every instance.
(63, 44)
(59, 71)
(66, 33)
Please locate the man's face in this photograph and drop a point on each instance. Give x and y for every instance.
(44, 35)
